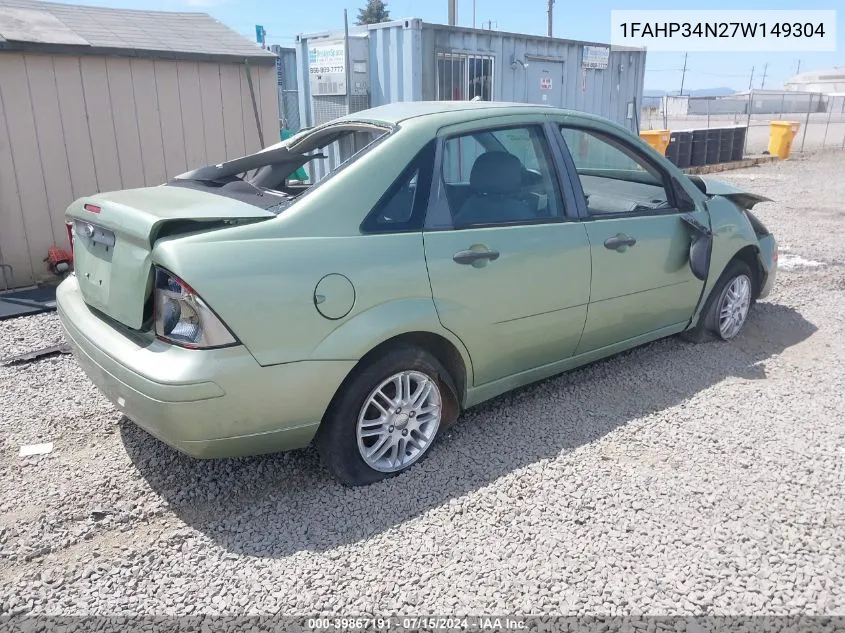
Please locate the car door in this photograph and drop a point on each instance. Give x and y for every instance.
(639, 244)
(509, 265)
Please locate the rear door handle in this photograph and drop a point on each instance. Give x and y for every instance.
(471, 257)
(619, 242)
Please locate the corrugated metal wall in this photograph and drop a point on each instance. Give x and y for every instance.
(74, 125)
(396, 64)
(606, 92)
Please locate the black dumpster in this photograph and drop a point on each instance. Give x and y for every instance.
(726, 140)
(738, 146)
(699, 148)
(679, 150)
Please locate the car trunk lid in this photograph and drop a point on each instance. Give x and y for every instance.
(114, 234)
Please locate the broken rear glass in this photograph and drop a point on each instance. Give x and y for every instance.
(268, 178)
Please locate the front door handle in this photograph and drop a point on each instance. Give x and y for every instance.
(619, 242)
(475, 258)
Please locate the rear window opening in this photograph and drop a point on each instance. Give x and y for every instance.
(274, 178)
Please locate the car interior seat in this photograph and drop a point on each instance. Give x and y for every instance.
(496, 185)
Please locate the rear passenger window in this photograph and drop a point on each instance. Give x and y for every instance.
(500, 176)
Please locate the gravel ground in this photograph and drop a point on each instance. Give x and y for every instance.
(674, 479)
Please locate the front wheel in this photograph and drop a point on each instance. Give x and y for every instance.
(733, 305)
(727, 308)
(387, 416)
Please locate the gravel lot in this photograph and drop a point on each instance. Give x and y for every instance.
(674, 479)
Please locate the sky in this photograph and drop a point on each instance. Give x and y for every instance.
(284, 19)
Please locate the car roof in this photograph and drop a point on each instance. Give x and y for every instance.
(401, 111)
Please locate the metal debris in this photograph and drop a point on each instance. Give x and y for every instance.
(36, 354)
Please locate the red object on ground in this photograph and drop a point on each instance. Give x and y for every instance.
(58, 260)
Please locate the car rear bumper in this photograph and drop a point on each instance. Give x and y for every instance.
(206, 403)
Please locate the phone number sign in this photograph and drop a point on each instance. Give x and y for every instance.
(327, 69)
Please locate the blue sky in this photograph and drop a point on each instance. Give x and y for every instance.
(283, 19)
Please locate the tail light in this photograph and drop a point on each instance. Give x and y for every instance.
(69, 227)
(183, 318)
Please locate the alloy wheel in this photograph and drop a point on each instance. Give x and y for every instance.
(399, 421)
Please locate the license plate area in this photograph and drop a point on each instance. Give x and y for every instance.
(93, 254)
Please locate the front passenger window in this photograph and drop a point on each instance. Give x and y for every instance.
(500, 176)
(615, 179)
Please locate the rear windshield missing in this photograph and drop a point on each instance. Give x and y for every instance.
(274, 178)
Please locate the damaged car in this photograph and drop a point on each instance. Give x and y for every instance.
(439, 255)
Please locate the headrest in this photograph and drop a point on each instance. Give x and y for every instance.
(496, 173)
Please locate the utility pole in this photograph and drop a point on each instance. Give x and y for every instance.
(798, 70)
(763, 81)
(346, 62)
(751, 81)
(551, 16)
(453, 12)
(473, 13)
(683, 74)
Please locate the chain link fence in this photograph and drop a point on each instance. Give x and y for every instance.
(821, 117)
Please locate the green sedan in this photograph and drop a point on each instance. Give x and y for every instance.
(439, 255)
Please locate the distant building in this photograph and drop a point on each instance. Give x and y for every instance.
(830, 81)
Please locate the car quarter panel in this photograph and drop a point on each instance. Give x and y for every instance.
(265, 291)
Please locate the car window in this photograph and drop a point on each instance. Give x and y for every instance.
(615, 179)
(396, 209)
(403, 204)
(500, 176)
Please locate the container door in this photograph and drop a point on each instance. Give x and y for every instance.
(545, 82)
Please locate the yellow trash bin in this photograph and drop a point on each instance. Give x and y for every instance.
(658, 139)
(780, 137)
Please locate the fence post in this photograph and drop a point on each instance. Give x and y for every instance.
(827, 125)
(748, 121)
(708, 113)
(782, 100)
(807, 122)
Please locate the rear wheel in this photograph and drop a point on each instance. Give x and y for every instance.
(726, 310)
(387, 416)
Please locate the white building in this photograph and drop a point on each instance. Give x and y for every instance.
(828, 81)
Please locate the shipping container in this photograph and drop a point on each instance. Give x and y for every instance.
(411, 60)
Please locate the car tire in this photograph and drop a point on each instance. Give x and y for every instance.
(712, 322)
(361, 423)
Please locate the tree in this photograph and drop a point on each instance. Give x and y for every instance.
(376, 11)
